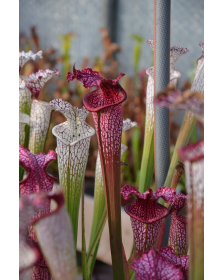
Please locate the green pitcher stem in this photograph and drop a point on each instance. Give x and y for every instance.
(72, 193)
(92, 252)
(24, 144)
(84, 257)
(182, 140)
(99, 201)
(147, 165)
(98, 214)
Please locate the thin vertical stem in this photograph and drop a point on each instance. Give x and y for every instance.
(182, 140)
(84, 257)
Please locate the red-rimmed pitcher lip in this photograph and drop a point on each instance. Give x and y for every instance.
(148, 221)
(91, 109)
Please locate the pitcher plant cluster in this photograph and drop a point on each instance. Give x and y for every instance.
(162, 250)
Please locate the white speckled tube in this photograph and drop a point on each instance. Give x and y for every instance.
(39, 124)
(73, 140)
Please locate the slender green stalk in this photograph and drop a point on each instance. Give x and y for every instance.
(133, 275)
(147, 165)
(24, 143)
(91, 257)
(137, 51)
(84, 257)
(24, 121)
(98, 215)
(66, 47)
(135, 150)
(126, 172)
(99, 201)
(182, 140)
(130, 261)
(136, 57)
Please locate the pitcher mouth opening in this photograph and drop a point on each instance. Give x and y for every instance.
(89, 105)
(79, 136)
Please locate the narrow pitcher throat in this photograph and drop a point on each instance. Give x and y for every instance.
(73, 131)
(74, 124)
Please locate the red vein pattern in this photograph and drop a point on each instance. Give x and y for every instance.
(99, 195)
(105, 105)
(160, 265)
(40, 272)
(37, 181)
(127, 124)
(146, 215)
(178, 228)
(182, 261)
